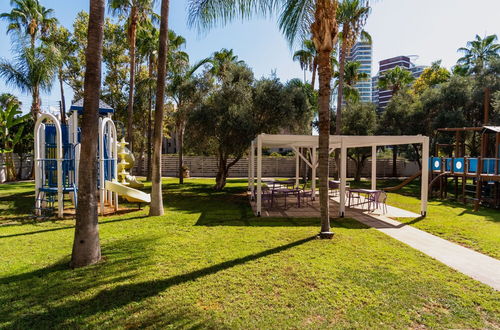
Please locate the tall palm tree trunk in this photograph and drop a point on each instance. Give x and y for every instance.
(63, 101)
(156, 195)
(313, 78)
(130, 108)
(325, 75)
(35, 104)
(338, 121)
(150, 120)
(86, 246)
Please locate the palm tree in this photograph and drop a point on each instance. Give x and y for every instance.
(352, 15)
(352, 76)
(395, 79)
(147, 45)
(60, 37)
(298, 19)
(156, 207)
(307, 59)
(29, 17)
(479, 53)
(32, 71)
(138, 11)
(86, 245)
(221, 60)
(185, 90)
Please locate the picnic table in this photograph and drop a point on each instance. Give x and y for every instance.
(371, 196)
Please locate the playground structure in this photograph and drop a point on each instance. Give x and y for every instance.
(57, 156)
(475, 179)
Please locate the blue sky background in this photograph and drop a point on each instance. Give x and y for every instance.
(431, 29)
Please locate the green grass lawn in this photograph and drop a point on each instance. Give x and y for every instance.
(208, 263)
(451, 220)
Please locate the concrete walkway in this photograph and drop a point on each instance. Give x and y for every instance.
(474, 264)
(471, 263)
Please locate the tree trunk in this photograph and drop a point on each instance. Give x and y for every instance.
(394, 161)
(86, 246)
(223, 171)
(338, 121)
(130, 107)
(156, 195)
(313, 78)
(150, 120)
(35, 105)
(21, 163)
(220, 178)
(63, 101)
(180, 150)
(10, 167)
(325, 75)
(419, 162)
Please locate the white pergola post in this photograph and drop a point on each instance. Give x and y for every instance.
(297, 167)
(313, 172)
(249, 166)
(259, 175)
(424, 189)
(343, 176)
(252, 169)
(374, 168)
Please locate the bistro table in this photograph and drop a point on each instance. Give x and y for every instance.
(281, 187)
(371, 196)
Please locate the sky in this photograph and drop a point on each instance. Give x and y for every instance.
(431, 29)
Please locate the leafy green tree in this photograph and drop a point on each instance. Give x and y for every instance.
(298, 19)
(30, 18)
(359, 119)
(431, 77)
(395, 80)
(351, 15)
(137, 11)
(308, 59)
(478, 53)
(32, 71)
(10, 117)
(237, 111)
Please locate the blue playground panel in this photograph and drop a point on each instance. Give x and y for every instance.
(489, 166)
(472, 165)
(435, 163)
(458, 165)
(447, 164)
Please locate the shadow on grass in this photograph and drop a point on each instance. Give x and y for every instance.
(101, 222)
(123, 262)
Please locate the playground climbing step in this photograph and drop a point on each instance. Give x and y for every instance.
(471, 263)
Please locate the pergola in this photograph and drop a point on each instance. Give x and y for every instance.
(342, 142)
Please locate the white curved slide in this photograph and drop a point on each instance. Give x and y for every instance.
(130, 194)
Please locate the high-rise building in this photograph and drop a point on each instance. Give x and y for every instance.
(362, 52)
(382, 97)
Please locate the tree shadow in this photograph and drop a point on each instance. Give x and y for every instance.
(101, 222)
(121, 266)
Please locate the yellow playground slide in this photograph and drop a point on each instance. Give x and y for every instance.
(130, 194)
